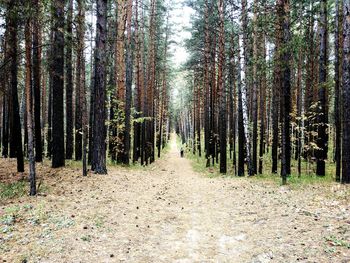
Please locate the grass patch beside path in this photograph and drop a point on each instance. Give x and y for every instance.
(19, 188)
(294, 180)
(12, 190)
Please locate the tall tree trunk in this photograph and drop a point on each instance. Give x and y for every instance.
(206, 86)
(221, 89)
(322, 140)
(37, 81)
(151, 85)
(346, 94)
(5, 105)
(337, 90)
(138, 88)
(29, 105)
(16, 149)
(58, 156)
(164, 88)
(121, 79)
(244, 82)
(69, 82)
(80, 90)
(299, 112)
(309, 86)
(283, 13)
(263, 99)
(128, 86)
(276, 97)
(255, 90)
(98, 162)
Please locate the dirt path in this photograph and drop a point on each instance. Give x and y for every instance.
(168, 213)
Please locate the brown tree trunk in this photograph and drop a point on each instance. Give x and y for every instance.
(69, 83)
(337, 90)
(29, 105)
(98, 161)
(346, 94)
(322, 140)
(58, 156)
(37, 81)
(15, 129)
(221, 89)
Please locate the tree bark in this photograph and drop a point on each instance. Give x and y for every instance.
(69, 83)
(98, 162)
(283, 13)
(337, 90)
(221, 89)
(346, 94)
(29, 105)
(15, 129)
(322, 140)
(58, 156)
(37, 81)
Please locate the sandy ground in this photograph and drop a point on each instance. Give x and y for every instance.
(169, 213)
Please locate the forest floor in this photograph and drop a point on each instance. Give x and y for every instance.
(169, 213)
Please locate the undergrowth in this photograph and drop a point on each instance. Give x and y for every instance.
(307, 176)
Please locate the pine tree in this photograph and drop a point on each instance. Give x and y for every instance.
(58, 156)
(98, 161)
(346, 94)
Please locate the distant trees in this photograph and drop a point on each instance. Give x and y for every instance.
(58, 127)
(278, 95)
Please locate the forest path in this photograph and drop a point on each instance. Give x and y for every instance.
(169, 213)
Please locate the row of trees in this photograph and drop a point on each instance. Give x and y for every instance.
(85, 88)
(261, 80)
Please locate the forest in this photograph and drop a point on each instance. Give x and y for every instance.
(98, 98)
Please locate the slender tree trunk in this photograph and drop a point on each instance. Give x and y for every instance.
(262, 107)
(128, 85)
(346, 94)
(276, 98)
(58, 156)
(69, 83)
(337, 90)
(151, 85)
(164, 88)
(29, 105)
(283, 12)
(322, 140)
(206, 87)
(255, 91)
(121, 80)
(299, 112)
(5, 105)
(244, 82)
(241, 135)
(16, 149)
(98, 161)
(37, 81)
(79, 91)
(221, 89)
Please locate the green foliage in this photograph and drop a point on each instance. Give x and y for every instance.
(12, 190)
(86, 238)
(337, 242)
